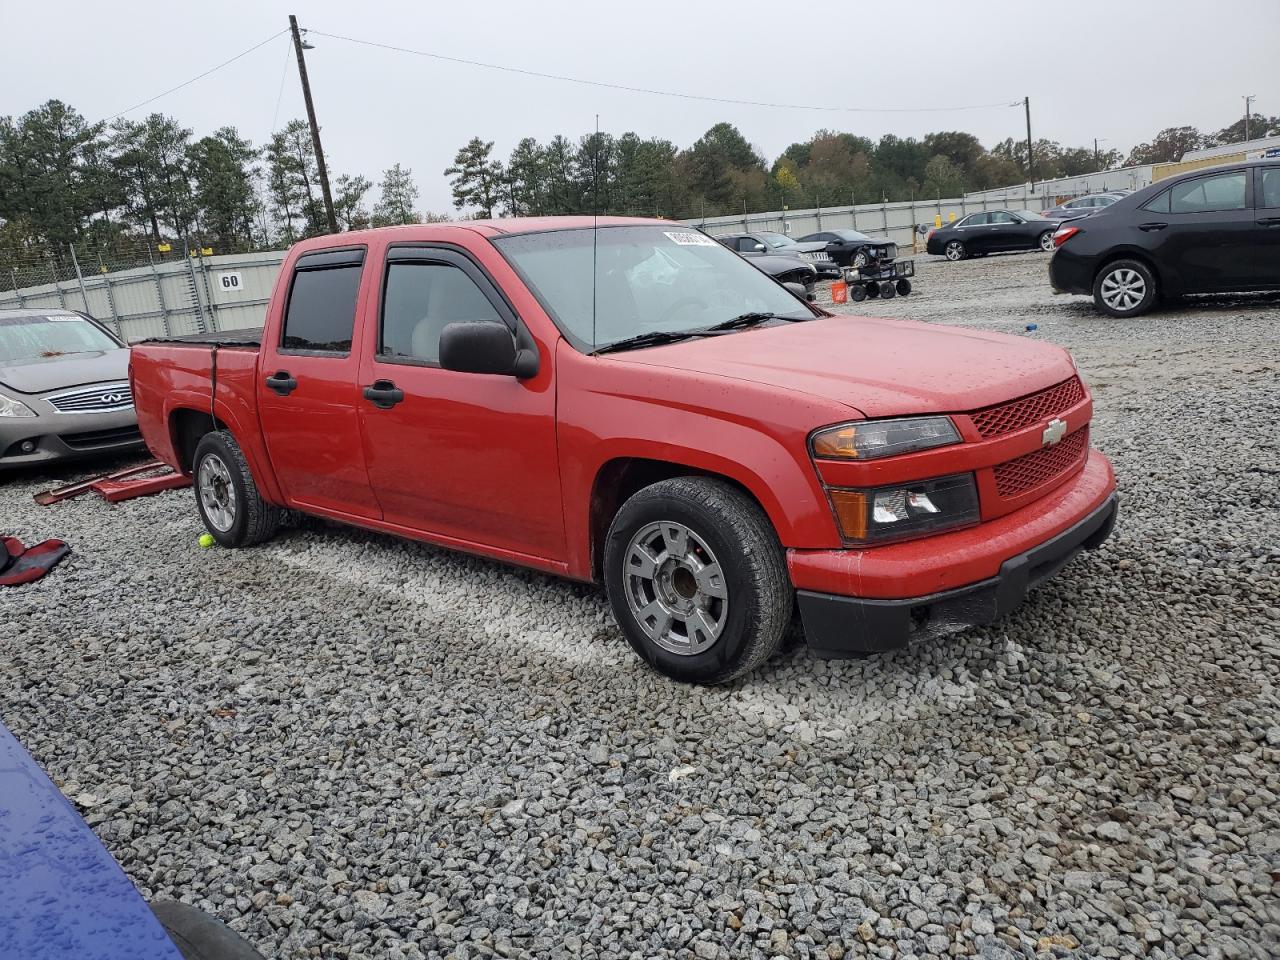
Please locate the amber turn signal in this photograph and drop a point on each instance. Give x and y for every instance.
(836, 443)
(850, 507)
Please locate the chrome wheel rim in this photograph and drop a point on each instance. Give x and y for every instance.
(860, 260)
(675, 588)
(217, 493)
(1046, 242)
(1123, 289)
(955, 250)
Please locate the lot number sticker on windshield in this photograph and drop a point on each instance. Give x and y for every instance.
(690, 239)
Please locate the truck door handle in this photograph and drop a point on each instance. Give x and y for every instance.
(1269, 222)
(282, 383)
(384, 394)
(1152, 226)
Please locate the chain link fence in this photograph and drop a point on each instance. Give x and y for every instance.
(143, 291)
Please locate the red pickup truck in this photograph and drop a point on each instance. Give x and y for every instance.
(631, 403)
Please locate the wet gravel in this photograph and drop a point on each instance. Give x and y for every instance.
(348, 746)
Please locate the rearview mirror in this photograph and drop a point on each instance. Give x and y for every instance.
(483, 346)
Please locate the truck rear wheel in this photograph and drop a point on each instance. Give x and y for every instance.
(226, 496)
(697, 579)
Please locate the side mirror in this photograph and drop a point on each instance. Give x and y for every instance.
(798, 289)
(483, 346)
(759, 248)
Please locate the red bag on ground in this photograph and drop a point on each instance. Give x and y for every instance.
(20, 564)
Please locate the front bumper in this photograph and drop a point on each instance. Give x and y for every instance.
(58, 436)
(837, 626)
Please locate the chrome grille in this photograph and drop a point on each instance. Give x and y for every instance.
(102, 398)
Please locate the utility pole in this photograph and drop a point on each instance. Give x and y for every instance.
(315, 128)
(1031, 175)
(1247, 101)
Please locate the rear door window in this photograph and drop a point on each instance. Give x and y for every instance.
(321, 314)
(1270, 199)
(1223, 192)
(1159, 205)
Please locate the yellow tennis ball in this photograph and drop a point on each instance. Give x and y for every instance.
(206, 540)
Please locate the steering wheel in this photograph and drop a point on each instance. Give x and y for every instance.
(683, 303)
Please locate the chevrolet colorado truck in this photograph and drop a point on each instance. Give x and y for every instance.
(628, 402)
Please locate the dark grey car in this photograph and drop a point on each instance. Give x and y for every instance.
(1084, 206)
(769, 243)
(64, 388)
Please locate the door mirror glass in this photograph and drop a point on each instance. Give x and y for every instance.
(484, 346)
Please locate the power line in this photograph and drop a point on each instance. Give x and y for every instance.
(201, 76)
(284, 71)
(659, 93)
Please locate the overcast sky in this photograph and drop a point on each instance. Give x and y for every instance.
(1119, 69)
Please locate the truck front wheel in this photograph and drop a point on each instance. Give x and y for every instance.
(697, 579)
(226, 496)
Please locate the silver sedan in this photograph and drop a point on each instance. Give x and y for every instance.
(64, 389)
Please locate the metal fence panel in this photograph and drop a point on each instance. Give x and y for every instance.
(162, 299)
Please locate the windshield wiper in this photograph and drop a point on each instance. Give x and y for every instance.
(653, 338)
(750, 320)
(658, 337)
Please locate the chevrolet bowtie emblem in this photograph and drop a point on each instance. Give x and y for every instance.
(1053, 432)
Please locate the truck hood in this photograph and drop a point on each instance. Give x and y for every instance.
(881, 368)
(67, 370)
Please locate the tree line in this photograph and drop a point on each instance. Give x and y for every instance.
(64, 180)
(723, 174)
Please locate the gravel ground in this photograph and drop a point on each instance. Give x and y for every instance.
(349, 746)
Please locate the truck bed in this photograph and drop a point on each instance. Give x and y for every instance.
(250, 337)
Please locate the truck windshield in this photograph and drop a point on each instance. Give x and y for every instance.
(648, 279)
(39, 337)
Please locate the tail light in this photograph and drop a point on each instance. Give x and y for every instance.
(930, 236)
(1063, 234)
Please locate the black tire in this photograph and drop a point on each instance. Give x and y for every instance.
(954, 251)
(1117, 286)
(904, 287)
(857, 294)
(887, 291)
(1046, 241)
(253, 519)
(199, 936)
(872, 289)
(759, 598)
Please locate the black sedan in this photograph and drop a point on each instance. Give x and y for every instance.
(993, 231)
(1210, 231)
(768, 243)
(849, 248)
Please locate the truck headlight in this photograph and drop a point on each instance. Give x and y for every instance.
(868, 439)
(14, 408)
(905, 510)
